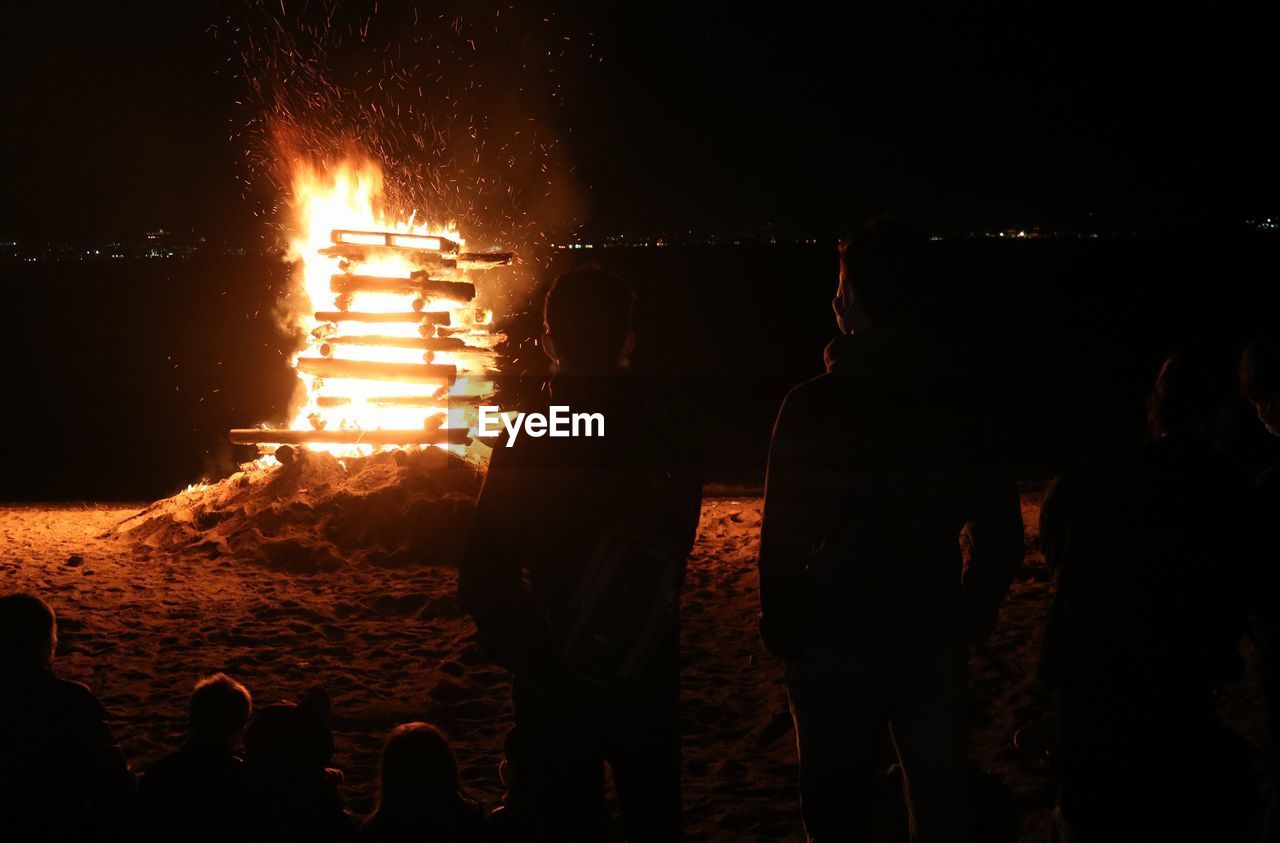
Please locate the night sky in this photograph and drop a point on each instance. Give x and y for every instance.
(124, 117)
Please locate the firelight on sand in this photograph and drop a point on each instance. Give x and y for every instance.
(396, 352)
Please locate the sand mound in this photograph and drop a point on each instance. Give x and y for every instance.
(319, 513)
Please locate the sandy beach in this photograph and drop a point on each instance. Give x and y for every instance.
(139, 625)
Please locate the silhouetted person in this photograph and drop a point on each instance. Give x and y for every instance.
(876, 469)
(62, 776)
(513, 819)
(1151, 553)
(1260, 382)
(198, 792)
(293, 793)
(572, 573)
(420, 796)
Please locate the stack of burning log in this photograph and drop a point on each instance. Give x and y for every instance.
(403, 350)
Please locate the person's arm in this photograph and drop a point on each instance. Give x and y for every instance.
(787, 535)
(996, 546)
(491, 584)
(1055, 538)
(682, 505)
(1262, 568)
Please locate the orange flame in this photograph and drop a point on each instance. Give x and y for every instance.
(349, 197)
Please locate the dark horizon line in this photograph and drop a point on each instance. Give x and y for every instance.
(767, 231)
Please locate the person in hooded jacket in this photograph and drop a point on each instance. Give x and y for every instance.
(876, 470)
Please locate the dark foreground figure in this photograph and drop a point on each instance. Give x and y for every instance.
(292, 792)
(572, 574)
(1152, 555)
(1260, 382)
(876, 469)
(198, 792)
(420, 796)
(62, 776)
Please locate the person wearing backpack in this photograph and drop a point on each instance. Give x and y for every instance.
(572, 573)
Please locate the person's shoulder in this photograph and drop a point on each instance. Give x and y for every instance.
(648, 414)
(1109, 470)
(371, 829)
(70, 696)
(815, 393)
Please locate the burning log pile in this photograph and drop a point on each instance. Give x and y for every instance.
(403, 357)
(377, 464)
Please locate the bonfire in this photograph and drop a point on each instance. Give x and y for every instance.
(397, 353)
(379, 460)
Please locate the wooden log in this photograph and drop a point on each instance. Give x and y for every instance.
(257, 436)
(463, 291)
(424, 343)
(431, 402)
(357, 254)
(427, 319)
(467, 400)
(426, 258)
(473, 336)
(424, 401)
(419, 284)
(394, 239)
(326, 367)
(484, 260)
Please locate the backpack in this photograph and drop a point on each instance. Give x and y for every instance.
(629, 595)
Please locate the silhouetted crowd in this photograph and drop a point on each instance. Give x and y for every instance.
(891, 534)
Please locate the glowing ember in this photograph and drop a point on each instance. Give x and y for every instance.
(397, 354)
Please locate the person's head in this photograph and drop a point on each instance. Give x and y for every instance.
(290, 736)
(220, 709)
(418, 768)
(588, 321)
(1190, 394)
(1260, 380)
(882, 275)
(28, 633)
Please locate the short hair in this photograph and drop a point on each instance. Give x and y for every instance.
(588, 314)
(884, 264)
(219, 705)
(1260, 368)
(28, 632)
